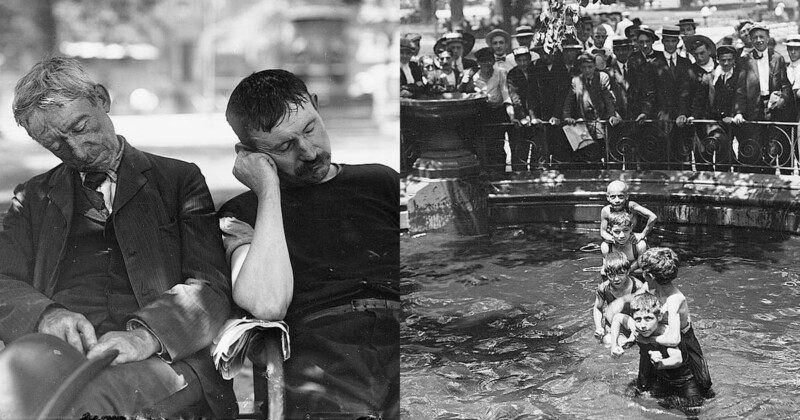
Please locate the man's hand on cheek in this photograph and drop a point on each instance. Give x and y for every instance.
(256, 171)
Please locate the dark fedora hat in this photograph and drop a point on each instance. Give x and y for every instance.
(726, 49)
(643, 30)
(465, 38)
(406, 44)
(40, 376)
(484, 54)
(631, 30)
(691, 40)
(687, 21)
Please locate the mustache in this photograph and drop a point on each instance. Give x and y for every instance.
(307, 168)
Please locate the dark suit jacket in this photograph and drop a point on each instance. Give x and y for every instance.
(641, 91)
(674, 89)
(548, 88)
(599, 93)
(518, 88)
(748, 90)
(170, 241)
(619, 87)
(715, 100)
(416, 72)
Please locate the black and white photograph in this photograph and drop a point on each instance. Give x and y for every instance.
(599, 209)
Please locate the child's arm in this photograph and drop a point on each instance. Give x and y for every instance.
(644, 211)
(604, 224)
(673, 360)
(641, 247)
(619, 320)
(597, 314)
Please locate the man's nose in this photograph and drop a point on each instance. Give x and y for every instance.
(307, 150)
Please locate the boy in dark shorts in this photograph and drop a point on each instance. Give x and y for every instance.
(665, 372)
(659, 268)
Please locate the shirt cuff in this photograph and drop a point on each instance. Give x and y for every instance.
(134, 324)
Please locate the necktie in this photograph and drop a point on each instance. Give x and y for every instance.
(91, 181)
(671, 63)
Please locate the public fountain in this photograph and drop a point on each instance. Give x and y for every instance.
(444, 189)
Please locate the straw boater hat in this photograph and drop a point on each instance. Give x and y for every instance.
(570, 43)
(466, 39)
(521, 51)
(670, 31)
(689, 41)
(523, 31)
(792, 40)
(621, 43)
(687, 21)
(495, 33)
(413, 37)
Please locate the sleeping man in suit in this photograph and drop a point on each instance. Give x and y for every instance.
(114, 249)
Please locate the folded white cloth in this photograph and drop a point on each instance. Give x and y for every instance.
(230, 345)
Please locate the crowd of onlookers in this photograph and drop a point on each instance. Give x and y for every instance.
(606, 79)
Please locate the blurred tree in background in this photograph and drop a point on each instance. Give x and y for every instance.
(31, 29)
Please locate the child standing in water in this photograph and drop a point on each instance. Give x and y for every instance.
(617, 285)
(666, 372)
(623, 240)
(617, 196)
(660, 267)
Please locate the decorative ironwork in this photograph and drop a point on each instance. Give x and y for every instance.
(705, 145)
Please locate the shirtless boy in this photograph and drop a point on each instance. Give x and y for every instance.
(618, 285)
(659, 268)
(665, 372)
(617, 196)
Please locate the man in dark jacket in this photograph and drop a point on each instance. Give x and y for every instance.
(548, 90)
(518, 89)
(115, 249)
(675, 81)
(763, 93)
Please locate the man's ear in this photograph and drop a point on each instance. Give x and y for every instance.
(314, 101)
(103, 96)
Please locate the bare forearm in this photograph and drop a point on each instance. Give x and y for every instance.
(263, 281)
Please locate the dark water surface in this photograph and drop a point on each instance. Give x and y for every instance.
(502, 329)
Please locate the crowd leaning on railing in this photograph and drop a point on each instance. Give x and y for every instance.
(606, 98)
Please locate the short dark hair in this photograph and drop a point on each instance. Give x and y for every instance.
(661, 263)
(619, 218)
(616, 263)
(646, 302)
(261, 101)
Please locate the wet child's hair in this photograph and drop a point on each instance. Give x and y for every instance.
(619, 218)
(661, 263)
(616, 263)
(646, 302)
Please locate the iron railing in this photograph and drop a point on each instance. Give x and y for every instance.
(704, 145)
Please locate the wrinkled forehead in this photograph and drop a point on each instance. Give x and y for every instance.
(57, 119)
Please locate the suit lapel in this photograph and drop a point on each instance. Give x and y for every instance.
(56, 223)
(130, 177)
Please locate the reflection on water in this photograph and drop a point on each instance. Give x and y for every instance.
(501, 328)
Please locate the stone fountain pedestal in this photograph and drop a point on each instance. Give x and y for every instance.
(445, 190)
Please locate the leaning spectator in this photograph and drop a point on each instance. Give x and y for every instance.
(411, 82)
(491, 81)
(518, 89)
